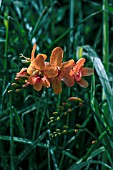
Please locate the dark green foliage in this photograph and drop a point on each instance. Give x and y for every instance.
(81, 28)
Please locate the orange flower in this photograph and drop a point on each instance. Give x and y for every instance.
(40, 71)
(78, 71)
(38, 81)
(39, 60)
(22, 73)
(63, 70)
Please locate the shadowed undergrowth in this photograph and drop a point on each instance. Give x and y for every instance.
(41, 130)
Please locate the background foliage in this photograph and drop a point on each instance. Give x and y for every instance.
(27, 141)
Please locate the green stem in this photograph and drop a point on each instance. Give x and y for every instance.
(105, 35)
(11, 135)
(49, 164)
(106, 63)
(71, 20)
(6, 23)
(59, 102)
(61, 162)
(52, 20)
(36, 119)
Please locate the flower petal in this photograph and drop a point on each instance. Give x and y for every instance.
(83, 83)
(44, 56)
(50, 71)
(38, 62)
(87, 71)
(38, 86)
(22, 73)
(33, 79)
(56, 85)
(33, 52)
(30, 69)
(79, 64)
(56, 56)
(45, 82)
(67, 66)
(67, 79)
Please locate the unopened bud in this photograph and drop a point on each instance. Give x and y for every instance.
(78, 125)
(51, 121)
(69, 110)
(17, 90)
(55, 113)
(14, 84)
(64, 131)
(25, 61)
(58, 130)
(80, 104)
(10, 91)
(51, 118)
(58, 118)
(76, 130)
(94, 141)
(25, 85)
(65, 113)
(16, 78)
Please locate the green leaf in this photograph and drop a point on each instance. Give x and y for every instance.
(103, 78)
(87, 163)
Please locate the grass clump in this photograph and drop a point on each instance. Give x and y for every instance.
(48, 129)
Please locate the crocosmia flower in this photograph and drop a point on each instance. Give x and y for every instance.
(63, 70)
(79, 71)
(42, 74)
(40, 71)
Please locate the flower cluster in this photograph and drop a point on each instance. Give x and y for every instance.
(41, 73)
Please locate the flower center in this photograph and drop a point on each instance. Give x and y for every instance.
(38, 73)
(59, 71)
(78, 76)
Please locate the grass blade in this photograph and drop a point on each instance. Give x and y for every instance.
(103, 78)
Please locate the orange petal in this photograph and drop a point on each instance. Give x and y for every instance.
(44, 56)
(67, 79)
(50, 71)
(56, 56)
(38, 63)
(56, 85)
(79, 64)
(22, 73)
(38, 86)
(30, 69)
(87, 71)
(68, 65)
(33, 52)
(45, 82)
(33, 79)
(83, 83)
